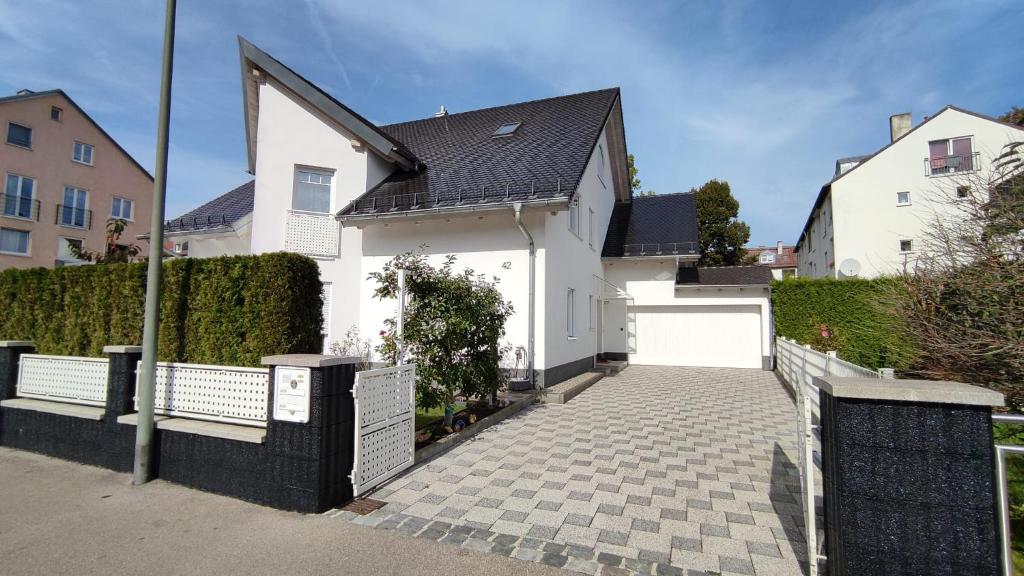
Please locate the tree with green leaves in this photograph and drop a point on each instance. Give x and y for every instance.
(1014, 116)
(114, 252)
(722, 235)
(634, 178)
(453, 326)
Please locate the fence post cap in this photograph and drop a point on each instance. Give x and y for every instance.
(920, 391)
(308, 360)
(16, 344)
(122, 349)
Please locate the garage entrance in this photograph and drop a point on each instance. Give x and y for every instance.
(720, 336)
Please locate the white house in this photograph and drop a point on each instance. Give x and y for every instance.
(873, 217)
(534, 194)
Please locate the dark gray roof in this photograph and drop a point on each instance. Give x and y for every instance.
(220, 212)
(724, 276)
(29, 94)
(653, 226)
(543, 159)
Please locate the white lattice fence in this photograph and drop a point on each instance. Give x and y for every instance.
(312, 234)
(216, 393)
(70, 379)
(385, 402)
(798, 365)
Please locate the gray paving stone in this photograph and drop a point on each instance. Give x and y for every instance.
(613, 537)
(611, 509)
(737, 565)
(690, 544)
(609, 559)
(736, 518)
(547, 505)
(764, 549)
(542, 532)
(646, 525)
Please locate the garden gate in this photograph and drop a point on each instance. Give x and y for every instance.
(385, 417)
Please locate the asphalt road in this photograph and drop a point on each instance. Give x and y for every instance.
(58, 517)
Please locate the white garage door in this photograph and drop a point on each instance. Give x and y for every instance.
(715, 336)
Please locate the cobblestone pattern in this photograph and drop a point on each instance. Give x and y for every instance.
(660, 470)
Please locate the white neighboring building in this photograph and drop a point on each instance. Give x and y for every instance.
(872, 218)
(479, 185)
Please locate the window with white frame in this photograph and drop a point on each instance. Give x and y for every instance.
(574, 215)
(767, 258)
(590, 312)
(82, 153)
(56, 114)
(903, 198)
(19, 193)
(312, 192)
(74, 211)
(66, 248)
(600, 165)
(19, 135)
(122, 208)
(963, 192)
(570, 313)
(906, 246)
(590, 227)
(14, 241)
(951, 155)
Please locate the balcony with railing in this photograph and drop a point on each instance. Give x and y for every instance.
(312, 234)
(74, 217)
(954, 164)
(15, 206)
(661, 249)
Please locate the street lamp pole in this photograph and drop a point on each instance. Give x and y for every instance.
(147, 374)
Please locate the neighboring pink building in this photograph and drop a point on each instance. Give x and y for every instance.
(781, 259)
(63, 178)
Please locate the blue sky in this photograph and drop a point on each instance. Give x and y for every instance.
(765, 95)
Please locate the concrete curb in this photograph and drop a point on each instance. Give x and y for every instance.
(565, 391)
(452, 440)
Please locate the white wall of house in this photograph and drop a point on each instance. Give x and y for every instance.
(292, 134)
(700, 326)
(233, 242)
(869, 223)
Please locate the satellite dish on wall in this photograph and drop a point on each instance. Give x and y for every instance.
(849, 268)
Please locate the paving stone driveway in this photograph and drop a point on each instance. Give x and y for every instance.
(657, 470)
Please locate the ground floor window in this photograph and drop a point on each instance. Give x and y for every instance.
(570, 313)
(13, 241)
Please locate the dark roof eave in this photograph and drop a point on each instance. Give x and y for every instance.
(560, 203)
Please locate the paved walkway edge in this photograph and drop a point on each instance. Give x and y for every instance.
(452, 440)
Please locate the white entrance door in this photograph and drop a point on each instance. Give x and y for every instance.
(712, 336)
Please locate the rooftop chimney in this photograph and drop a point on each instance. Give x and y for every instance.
(442, 112)
(778, 247)
(899, 124)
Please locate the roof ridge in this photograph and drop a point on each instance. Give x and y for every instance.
(491, 108)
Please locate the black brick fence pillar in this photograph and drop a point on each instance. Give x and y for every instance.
(310, 455)
(10, 355)
(118, 447)
(909, 481)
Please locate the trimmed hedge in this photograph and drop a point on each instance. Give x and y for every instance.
(230, 310)
(857, 317)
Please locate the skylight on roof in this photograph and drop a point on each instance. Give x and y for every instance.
(506, 129)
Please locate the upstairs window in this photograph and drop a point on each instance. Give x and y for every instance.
(950, 156)
(906, 246)
(122, 208)
(18, 197)
(312, 191)
(903, 198)
(19, 135)
(82, 153)
(766, 258)
(506, 129)
(73, 212)
(590, 228)
(570, 313)
(574, 216)
(56, 114)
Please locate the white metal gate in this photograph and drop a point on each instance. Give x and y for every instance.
(385, 425)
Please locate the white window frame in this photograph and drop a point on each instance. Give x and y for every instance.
(68, 239)
(966, 196)
(900, 203)
(319, 172)
(600, 165)
(131, 208)
(28, 245)
(570, 313)
(18, 196)
(574, 216)
(766, 258)
(590, 227)
(910, 241)
(590, 311)
(85, 208)
(60, 113)
(78, 153)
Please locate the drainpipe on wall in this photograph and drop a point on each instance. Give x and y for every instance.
(517, 208)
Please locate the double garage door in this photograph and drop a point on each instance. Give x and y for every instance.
(714, 336)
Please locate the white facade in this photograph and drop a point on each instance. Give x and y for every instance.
(870, 213)
(226, 241)
(715, 326)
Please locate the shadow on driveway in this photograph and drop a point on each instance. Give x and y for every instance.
(785, 499)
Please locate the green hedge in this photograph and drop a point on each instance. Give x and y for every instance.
(230, 310)
(858, 315)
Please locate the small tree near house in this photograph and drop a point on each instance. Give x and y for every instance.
(114, 252)
(454, 323)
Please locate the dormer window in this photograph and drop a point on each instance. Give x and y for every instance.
(767, 258)
(506, 129)
(312, 192)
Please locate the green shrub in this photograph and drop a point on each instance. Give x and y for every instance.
(230, 310)
(854, 317)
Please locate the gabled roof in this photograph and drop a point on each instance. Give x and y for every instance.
(663, 224)
(29, 94)
(544, 158)
(827, 187)
(255, 61)
(221, 212)
(724, 276)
